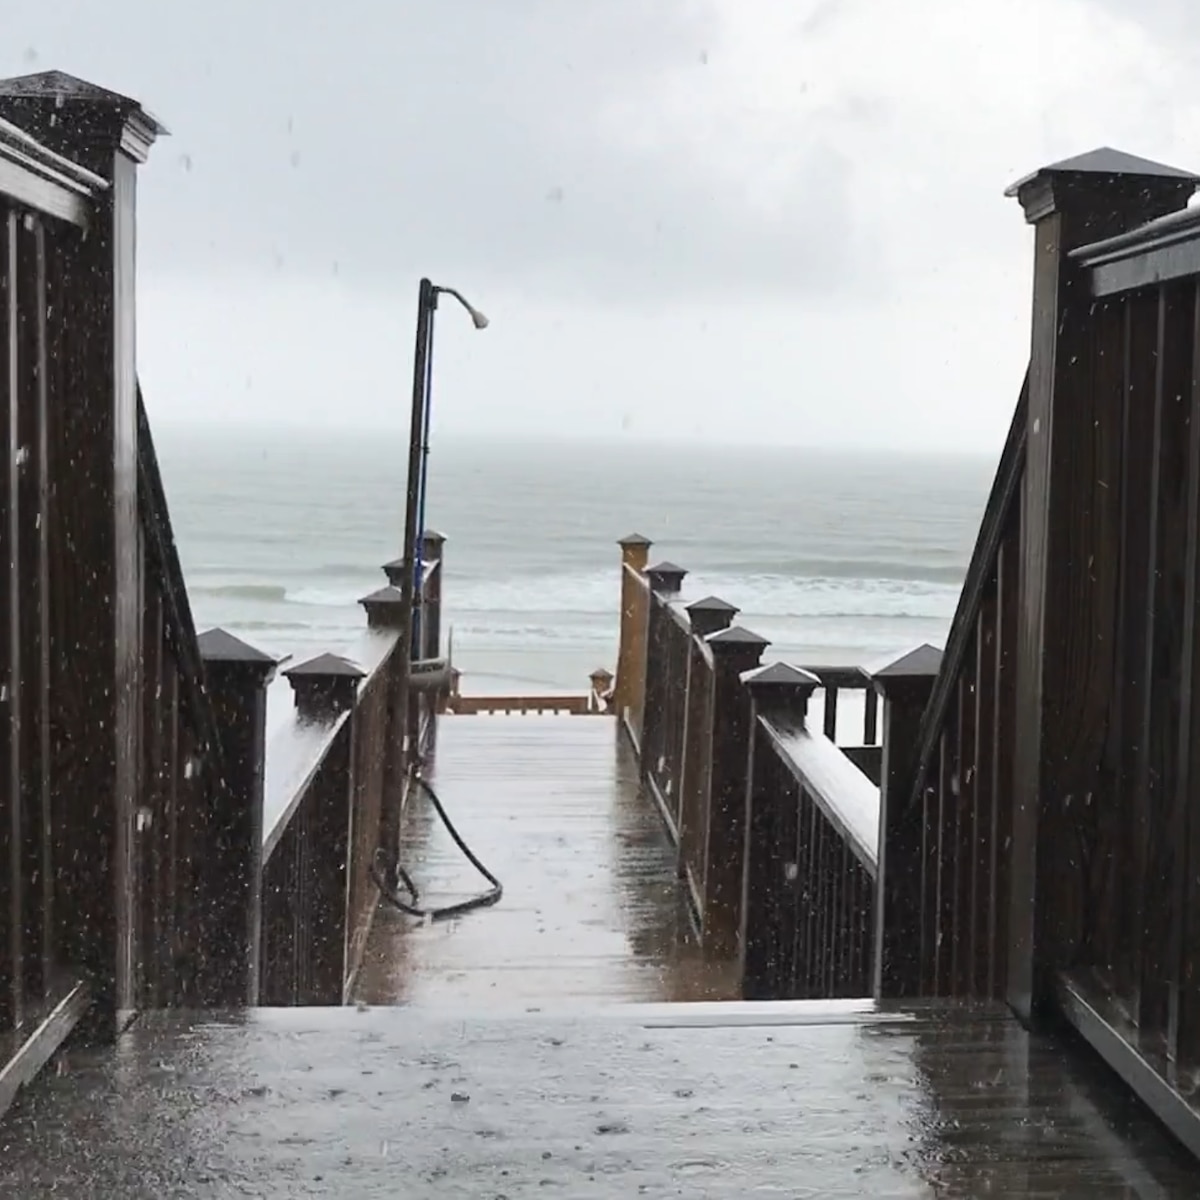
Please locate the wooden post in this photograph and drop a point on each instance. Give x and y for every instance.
(665, 582)
(735, 650)
(385, 611)
(1070, 516)
(631, 655)
(383, 608)
(711, 615)
(781, 692)
(325, 688)
(600, 696)
(905, 686)
(236, 677)
(433, 551)
(96, 652)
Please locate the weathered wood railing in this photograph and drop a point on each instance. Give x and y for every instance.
(948, 775)
(1054, 780)
(811, 851)
(1038, 833)
(690, 711)
(333, 764)
(110, 749)
(46, 204)
(596, 701)
(135, 868)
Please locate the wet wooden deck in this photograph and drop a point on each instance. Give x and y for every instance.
(798, 1100)
(592, 909)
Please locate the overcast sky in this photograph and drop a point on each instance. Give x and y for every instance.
(761, 220)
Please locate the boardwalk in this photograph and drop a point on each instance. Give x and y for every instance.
(592, 909)
(511, 1073)
(794, 1100)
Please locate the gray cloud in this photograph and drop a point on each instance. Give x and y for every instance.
(374, 139)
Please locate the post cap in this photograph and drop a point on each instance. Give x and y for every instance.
(921, 662)
(712, 604)
(388, 594)
(737, 636)
(220, 647)
(329, 666)
(782, 676)
(711, 614)
(666, 576)
(432, 543)
(93, 114)
(324, 686)
(1167, 187)
(634, 539)
(384, 607)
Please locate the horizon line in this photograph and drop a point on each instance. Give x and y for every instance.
(608, 440)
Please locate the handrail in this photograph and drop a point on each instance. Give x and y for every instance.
(46, 162)
(1179, 226)
(983, 563)
(181, 627)
(39, 178)
(848, 800)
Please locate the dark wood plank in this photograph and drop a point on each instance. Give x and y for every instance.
(1000, 837)
(1164, 617)
(708, 1101)
(964, 830)
(944, 864)
(32, 568)
(830, 712)
(1183, 1038)
(1136, 1056)
(981, 947)
(1131, 668)
(592, 908)
(50, 1021)
(11, 825)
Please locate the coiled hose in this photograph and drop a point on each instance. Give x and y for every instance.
(411, 906)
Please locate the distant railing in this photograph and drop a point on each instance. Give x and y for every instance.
(709, 758)
(566, 705)
(332, 767)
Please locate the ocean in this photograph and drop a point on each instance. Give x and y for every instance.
(837, 558)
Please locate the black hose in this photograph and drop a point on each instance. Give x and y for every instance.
(410, 906)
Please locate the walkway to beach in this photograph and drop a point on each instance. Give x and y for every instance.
(592, 907)
(511, 1073)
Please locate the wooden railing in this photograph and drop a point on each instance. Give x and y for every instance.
(332, 767)
(712, 757)
(58, 769)
(1052, 805)
(1038, 819)
(136, 870)
(596, 701)
(946, 807)
(811, 857)
(195, 863)
(122, 820)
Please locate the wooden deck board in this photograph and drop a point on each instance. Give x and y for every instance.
(787, 1100)
(592, 909)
